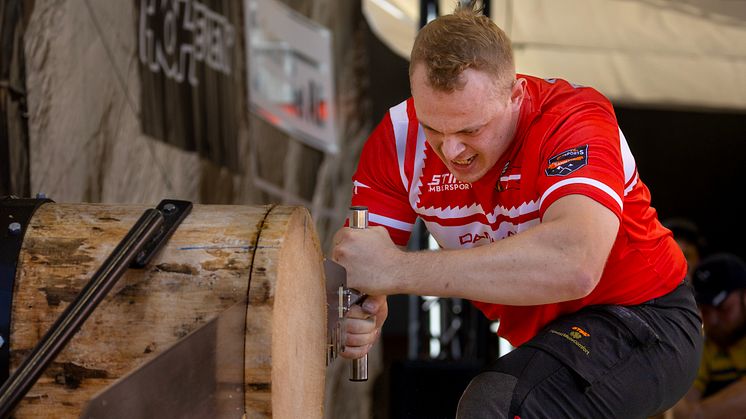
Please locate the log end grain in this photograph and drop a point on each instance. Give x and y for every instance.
(288, 271)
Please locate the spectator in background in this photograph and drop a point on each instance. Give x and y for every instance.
(688, 237)
(720, 388)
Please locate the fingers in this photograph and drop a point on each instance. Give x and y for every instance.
(360, 333)
(377, 305)
(355, 352)
(361, 339)
(373, 304)
(347, 240)
(358, 313)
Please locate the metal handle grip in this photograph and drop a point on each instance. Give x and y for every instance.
(358, 217)
(359, 367)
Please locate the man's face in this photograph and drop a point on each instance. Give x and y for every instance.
(469, 128)
(726, 323)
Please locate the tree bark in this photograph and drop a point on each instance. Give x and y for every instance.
(217, 256)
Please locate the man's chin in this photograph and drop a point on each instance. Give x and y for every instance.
(466, 176)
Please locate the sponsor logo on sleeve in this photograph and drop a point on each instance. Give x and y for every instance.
(567, 161)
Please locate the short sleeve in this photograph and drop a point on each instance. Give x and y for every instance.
(582, 155)
(380, 185)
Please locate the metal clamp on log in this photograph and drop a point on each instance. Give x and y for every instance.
(145, 238)
(173, 212)
(15, 214)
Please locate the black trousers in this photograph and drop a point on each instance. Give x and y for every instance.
(603, 361)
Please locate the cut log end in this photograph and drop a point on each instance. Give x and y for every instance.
(204, 269)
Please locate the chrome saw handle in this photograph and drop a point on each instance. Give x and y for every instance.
(359, 367)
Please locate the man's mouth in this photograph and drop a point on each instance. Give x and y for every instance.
(464, 162)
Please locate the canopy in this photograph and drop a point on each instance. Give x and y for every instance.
(663, 53)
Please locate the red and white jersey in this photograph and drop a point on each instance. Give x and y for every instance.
(567, 142)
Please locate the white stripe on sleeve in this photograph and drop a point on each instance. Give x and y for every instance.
(400, 122)
(390, 222)
(585, 181)
(631, 186)
(628, 160)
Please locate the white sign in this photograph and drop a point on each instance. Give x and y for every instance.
(291, 75)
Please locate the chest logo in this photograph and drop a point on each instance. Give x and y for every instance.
(508, 181)
(446, 182)
(470, 238)
(567, 161)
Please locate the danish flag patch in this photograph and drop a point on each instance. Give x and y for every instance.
(567, 161)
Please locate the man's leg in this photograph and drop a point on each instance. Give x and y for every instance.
(491, 394)
(496, 393)
(488, 394)
(605, 361)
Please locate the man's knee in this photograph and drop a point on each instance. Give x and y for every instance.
(488, 396)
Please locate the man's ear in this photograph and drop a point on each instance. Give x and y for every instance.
(517, 93)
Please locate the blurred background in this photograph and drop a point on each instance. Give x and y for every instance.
(270, 101)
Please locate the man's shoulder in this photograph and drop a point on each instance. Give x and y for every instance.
(559, 96)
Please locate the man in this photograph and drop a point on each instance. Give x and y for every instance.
(720, 388)
(691, 242)
(531, 188)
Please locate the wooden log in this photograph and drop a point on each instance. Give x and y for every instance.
(217, 256)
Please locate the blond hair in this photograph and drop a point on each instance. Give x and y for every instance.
(464, 39)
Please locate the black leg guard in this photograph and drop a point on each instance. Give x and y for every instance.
(488, 396)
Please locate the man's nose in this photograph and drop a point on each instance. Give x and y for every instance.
(452, 147)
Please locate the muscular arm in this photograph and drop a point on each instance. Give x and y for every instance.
(560, 259)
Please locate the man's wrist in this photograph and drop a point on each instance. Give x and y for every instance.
(395, 272)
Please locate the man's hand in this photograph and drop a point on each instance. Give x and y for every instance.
(362, 326)
(365, 254)
(370, 258)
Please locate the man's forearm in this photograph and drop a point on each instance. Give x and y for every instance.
(560, 259)
(538, 266)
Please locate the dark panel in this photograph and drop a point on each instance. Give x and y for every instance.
(14, 154)
(693, 163)
(187, 57)
(428, 389)
(389, 81)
